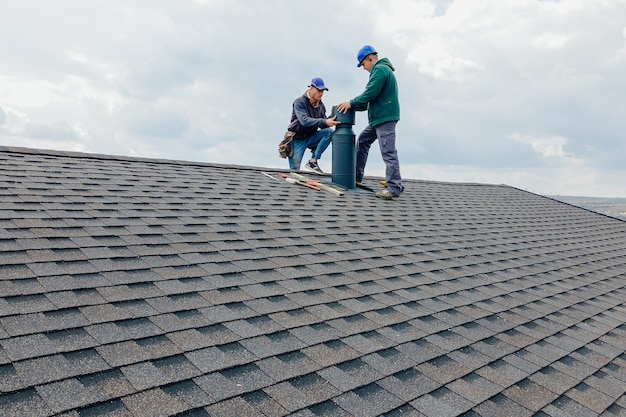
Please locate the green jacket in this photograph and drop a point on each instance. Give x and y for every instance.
(380, 97)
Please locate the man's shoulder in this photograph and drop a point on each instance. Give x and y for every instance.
(303, 98)
(383, 65)
(300, 102)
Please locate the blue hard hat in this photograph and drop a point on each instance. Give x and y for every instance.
(363, 52)
(318, 83)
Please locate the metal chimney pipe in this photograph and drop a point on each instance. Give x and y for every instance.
(344, 155)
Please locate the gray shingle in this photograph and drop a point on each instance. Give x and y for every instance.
(273, 344)
(389, 361)
(190, 393)
(24, 403)
(330, 353)
(192, 339)
(234, 381)
(531, 396)
(370, 400)
(368, 342)
(316, 333)
(300, 392)
(501, 405)
(220, 357)
(55, 367)
(32, 346)
(9, 379)
(262, 402)
(128, 352)
(154, 402)
(351, 374)
(420, 350)
(287, 365)
(48, 321)
(24, 304)
(233, 407)
(68, 394)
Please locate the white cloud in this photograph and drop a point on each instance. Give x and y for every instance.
(3, 116)
(549, 40)
(545, 146)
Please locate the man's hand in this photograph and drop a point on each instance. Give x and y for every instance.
(344, 107)
(332, 121)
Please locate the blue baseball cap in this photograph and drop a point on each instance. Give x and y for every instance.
(318, 83)
(364, 52)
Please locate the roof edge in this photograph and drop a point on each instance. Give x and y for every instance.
(87, 155)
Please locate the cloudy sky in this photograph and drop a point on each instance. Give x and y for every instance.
(527, 93)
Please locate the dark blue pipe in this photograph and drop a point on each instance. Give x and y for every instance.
(344, 155)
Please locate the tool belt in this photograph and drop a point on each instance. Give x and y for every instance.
(285, 147)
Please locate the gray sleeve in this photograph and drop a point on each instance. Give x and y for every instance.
(305, 120)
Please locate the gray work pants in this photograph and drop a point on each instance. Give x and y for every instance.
(386, 135)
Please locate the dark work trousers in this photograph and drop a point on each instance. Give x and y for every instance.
(386, 135)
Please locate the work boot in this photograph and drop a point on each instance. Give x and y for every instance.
(313, 167)
(385, 194)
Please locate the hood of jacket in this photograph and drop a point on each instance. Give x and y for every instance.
(385, 61)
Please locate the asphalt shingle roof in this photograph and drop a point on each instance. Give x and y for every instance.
(141, 287)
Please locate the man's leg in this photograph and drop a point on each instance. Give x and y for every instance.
(317, 142)
(387, 142)
(320, 141)
(299, 147)
(365, 140)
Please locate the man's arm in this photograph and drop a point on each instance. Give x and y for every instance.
(305, 120)
(372, 89)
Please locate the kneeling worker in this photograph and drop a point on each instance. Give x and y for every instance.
(310, 127)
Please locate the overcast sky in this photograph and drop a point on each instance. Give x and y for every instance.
(527, 93)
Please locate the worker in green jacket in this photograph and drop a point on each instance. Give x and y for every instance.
(380, 99)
